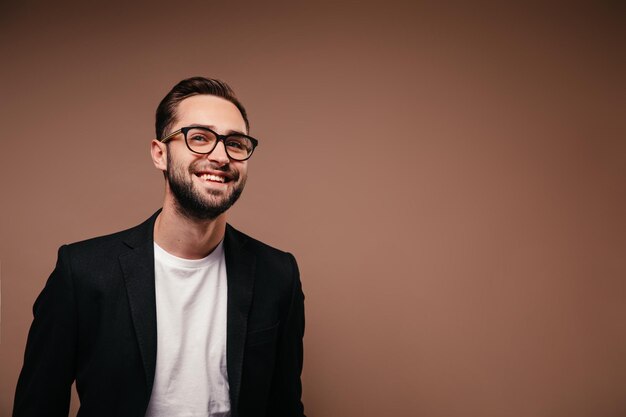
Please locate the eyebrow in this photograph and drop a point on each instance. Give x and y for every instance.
(228, 132)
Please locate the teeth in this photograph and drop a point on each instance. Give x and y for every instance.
(209, 177)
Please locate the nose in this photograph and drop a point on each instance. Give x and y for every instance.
(218, 154)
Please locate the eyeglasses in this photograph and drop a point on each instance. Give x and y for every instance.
(203, 140)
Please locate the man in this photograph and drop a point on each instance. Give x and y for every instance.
(182, 315)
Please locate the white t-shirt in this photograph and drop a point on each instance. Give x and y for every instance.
(191, 378)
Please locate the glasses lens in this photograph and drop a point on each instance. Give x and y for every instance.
(201, 140)
(238, 147)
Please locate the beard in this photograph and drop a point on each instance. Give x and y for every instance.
(202, 204)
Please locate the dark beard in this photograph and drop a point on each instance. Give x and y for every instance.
(190, 204)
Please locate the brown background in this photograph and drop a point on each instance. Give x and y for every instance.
(451, 180)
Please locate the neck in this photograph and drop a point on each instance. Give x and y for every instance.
(186, 237)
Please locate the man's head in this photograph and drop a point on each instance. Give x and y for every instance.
(200, 186)
(166, 112)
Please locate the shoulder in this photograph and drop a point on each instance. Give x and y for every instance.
(276, 271)
(266, 255)
(238, 240)
(100, 242)
(113, 244)
(253, 244)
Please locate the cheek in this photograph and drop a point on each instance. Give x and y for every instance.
(178, 166)
(243, 170)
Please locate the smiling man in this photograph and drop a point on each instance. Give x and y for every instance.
(182, 315)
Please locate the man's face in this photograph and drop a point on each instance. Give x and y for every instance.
(205, 186)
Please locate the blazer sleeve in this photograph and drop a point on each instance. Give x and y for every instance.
(286, 390)
(44, 385)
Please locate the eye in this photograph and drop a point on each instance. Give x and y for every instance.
(238, 143)
(198, 137)
(234, 144)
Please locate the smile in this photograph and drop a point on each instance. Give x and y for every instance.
(212, 178)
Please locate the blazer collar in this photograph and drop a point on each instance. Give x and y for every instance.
(138, 268)
(240, 271)
(142, 234)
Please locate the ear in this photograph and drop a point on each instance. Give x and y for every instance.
(158, 151)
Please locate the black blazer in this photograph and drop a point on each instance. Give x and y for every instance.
(95, 322)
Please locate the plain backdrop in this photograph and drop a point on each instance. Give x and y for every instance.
(451, 179)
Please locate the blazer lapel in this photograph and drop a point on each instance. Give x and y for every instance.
(138, 269)
(240, 268)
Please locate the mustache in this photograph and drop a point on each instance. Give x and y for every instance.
(204, 166)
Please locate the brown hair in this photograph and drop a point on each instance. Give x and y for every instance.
(166, 112)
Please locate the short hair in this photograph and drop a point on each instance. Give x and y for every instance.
(166, 112)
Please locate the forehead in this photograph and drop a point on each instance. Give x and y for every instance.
(209, 111)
